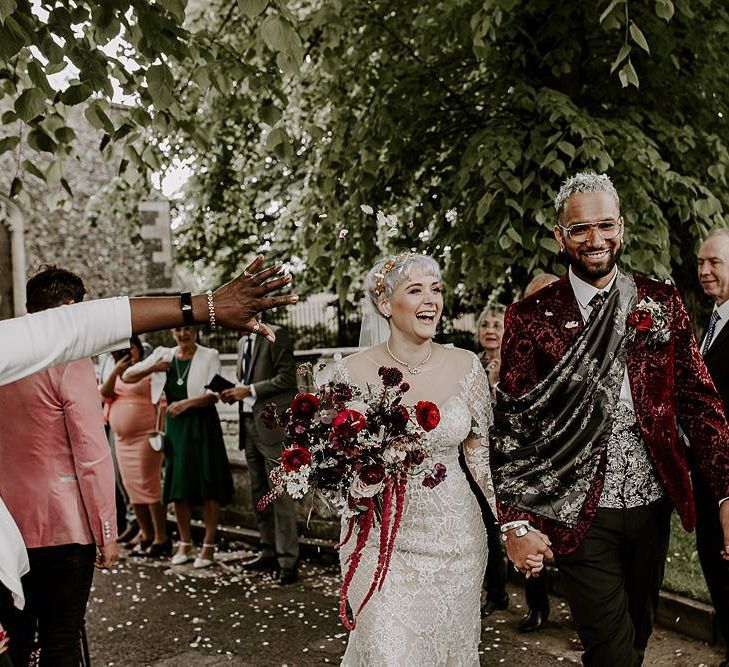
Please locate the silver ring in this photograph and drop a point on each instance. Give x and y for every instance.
(246, 274)
(256, 327)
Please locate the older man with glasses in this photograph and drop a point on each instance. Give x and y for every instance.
(598, 371)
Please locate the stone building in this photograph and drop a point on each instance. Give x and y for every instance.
(115, 236)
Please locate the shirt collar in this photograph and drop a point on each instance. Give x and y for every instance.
(723, 311)
(584, 291)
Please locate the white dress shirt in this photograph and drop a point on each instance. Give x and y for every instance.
(723, 312)
(583, 293)
(249, 401)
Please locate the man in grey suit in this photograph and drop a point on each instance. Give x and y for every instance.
(267, 374)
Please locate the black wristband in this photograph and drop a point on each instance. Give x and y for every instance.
(186, 306)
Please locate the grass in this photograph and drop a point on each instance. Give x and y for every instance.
(683, 570)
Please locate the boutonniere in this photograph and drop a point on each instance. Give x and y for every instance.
(650, 321)
(571, 324)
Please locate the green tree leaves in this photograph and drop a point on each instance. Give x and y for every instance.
(30, 103)
(161, 85)
(461, 120)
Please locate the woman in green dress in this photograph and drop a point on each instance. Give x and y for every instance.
(196, 463)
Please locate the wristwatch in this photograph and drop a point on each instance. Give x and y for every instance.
(186, 307)
(519, 531)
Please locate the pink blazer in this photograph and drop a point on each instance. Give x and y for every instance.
(56, 474)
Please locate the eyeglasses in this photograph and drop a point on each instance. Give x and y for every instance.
(607, 229)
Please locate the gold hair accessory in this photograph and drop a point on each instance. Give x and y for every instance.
(390, 264)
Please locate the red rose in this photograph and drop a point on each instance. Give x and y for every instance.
(304, 406)
(641, 320)
(293, 458)
(427, 415)
(348, 422)
(371, 474)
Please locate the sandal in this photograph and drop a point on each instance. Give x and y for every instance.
(205, 562)
(182, 557)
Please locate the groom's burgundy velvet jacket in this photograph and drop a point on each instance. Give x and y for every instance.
(670, 385)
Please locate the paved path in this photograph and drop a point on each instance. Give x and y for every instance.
(150, 614)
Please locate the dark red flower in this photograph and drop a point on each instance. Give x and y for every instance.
(293, 458)
(304, 406)
(372, 473)
(342, 393)
(641, 320)
(269, 416)
(427, 415)
(399, 417)
(391, 377)
(416, 457)
(404, 387)
(436, 477)
(348, 423)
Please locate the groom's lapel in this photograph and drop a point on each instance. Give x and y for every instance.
(562, 315)
(646, 367)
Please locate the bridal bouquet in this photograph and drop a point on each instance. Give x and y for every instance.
(357, 451)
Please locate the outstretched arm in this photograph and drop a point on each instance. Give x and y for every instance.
(60, 335)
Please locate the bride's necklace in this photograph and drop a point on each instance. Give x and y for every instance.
(181, 376)
(413, 370)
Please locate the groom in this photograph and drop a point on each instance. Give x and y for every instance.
(597, 372)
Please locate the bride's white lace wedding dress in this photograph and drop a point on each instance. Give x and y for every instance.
(428, 611)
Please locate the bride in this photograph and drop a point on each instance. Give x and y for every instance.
(428, 611)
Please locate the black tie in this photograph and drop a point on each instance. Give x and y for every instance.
(710, 330)
(247, 360)
(597, 301)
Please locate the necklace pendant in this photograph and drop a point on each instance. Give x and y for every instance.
(413, 371)
(180, 381)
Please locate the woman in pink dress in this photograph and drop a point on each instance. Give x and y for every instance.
(133, 418)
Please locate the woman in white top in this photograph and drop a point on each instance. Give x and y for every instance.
(60, 335)
(196, 464)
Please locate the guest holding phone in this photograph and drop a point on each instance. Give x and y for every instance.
(196, 464)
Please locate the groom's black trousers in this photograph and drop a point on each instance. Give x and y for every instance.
(612, 579)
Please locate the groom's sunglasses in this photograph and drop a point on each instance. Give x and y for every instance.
(607, 229)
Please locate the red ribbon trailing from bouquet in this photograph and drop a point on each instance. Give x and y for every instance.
(394, 491)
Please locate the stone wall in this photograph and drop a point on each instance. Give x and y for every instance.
(96, 233)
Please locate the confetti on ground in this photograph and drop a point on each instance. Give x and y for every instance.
(149, 613)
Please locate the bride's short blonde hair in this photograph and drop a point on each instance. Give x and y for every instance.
(389, 272)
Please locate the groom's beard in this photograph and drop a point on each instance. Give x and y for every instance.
(589, 271)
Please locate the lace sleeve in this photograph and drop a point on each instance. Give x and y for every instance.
(476, 445)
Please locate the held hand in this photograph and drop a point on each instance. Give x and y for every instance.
(724, 520)
(531, 545)
(238, 302)
(107, 556)
(4, 640)
(235, 394)
(161, 367)
(535, 563)
(177, 408)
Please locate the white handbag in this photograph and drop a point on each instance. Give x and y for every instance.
(157, 439)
